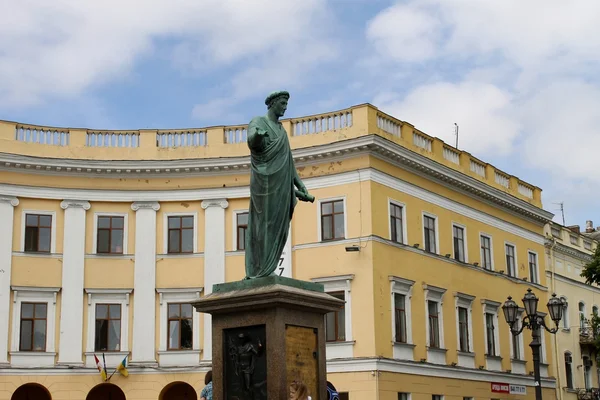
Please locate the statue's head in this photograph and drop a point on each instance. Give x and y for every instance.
(277, 101)
(242, 338)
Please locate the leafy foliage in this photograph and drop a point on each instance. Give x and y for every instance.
(591, 271)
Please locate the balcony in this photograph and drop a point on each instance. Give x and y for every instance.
(588, 394)
(587, 334)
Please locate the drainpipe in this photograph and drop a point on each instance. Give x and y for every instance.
(559, 394)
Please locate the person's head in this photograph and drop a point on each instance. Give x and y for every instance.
(277, 102)
(298, 391)
(208, 377)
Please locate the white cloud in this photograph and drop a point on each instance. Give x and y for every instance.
(63, 47)
(482, 111)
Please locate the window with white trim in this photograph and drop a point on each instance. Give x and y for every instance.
(180, 233)
(464, 303)
(486, 252)
(490, 321)
(110, 233)
(587, 245)
(582, 318)
(397, 220)
(332, 219)
(511, 261)
(435, 317)
(335, 321)
(517, 351)
(38, 231)
(430, 233)
(241, 226)
(459, 243)
(108, 327)
(403, 396)
(533, 267)
(33, 327)
(574, 240)
(401, 309)
(569, 369)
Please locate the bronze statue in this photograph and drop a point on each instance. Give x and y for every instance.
(274, 189)
(243, 355)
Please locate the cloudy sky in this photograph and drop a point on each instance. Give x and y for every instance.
(519, 77)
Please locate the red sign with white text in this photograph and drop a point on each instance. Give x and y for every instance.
(500, 387)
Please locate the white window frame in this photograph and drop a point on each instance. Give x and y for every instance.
(336, 284)
(107, 296)
(566, 322)
(166, 216)
(481, 258)
(404, 228)
(404, 287)
(580, 313)
(466, 249)
(537, 266)
(173, 358)
(491, 307)
(506, 243)
(519, 338)
(52, 230)
(28, 294)
(437, 230)
(465, 301)
(436, 294)
(319, 233)
(125, 231)
(235, 237)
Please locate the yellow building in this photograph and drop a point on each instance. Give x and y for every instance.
(568, 250)
(108, 235)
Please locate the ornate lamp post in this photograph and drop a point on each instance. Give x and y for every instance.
(534, 321)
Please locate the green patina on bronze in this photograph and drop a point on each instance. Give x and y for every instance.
(274, 189)
(267, 281)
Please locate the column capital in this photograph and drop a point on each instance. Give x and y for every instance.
(75, 204)
(146, 205)
(215, 203)
(13, 201)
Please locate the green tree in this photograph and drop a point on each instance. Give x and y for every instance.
(591, 271)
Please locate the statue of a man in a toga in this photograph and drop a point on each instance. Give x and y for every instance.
(274, 187)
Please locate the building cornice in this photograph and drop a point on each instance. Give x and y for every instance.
(571, 281)
(369, 144)
(566, 250)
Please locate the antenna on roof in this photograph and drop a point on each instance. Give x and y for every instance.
(456, 133)
(562, 211)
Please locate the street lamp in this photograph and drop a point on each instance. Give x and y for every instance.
(533, 321)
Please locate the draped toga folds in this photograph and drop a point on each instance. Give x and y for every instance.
(272, 196)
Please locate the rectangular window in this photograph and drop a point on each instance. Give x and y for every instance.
(181, 234)
(332, 220)
(510, 260)
(396, 223)
(587, 245)
(533, 269)
(108, 327)
(434, 324)
(242, 226)
(458, 235)
(516, 346)
(486, 252)
(400, 317)
(110, 235)
(344, 395)
(574, 240)
(555, 232)
(568, 370)
(180, 327)
(335, 322)
(429, 230)
(463, 328)
(402, 396)
(491, 338)
(33, 327)
(437, 397)
(38, 233)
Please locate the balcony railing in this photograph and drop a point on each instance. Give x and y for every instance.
(588, 394)
(587, 333)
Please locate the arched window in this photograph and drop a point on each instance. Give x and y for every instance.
(581, 315)
(31, 391)
(595, 311)
(178, 391)
(568, 370)
(105, 391)
(565, 318)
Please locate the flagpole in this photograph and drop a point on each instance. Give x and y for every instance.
(104, 361)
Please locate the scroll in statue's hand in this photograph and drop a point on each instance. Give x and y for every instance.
(303, 195)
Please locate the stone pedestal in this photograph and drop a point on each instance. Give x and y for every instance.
(268, 332)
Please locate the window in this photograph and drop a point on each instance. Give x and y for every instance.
(510, 260)
(555, 231)
(587, 245)
(533, 269)
(587, 372)
(241, 226)
(595, 311)
(332, 220)
(437, 397)
(429, 233)
(458, 237)
(490, 334)
(486, 252)
(181, 234)
(180, 326)
(565, 318)
(434, 324)
(33, 327)
(568, 370)
(463, 329)
(400, 317)
(516, 347)
(581, 315)
(574, 240)
(403, 396)
(343, 395)
(335, 324)
(396, 226)
(108, 327)
(110, 234)
(38, 230)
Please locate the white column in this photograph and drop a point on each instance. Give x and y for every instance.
(214, 258)
(7, 205)
(144, 285)
(70, 346)
(284, 268)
